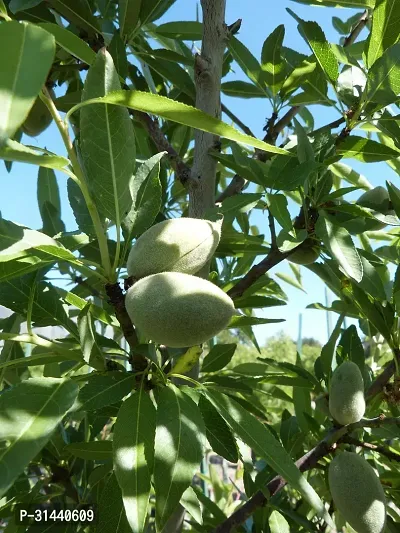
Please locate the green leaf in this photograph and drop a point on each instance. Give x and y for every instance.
(128, 16)
(338, 3)
(339, 243)
(352, 347)
(49, 202)
(133, 451)
(104, 390)
(385, 29)
(278, 207)
(107, 142)
(40, 359)
(272, 62)
(20, 267)
(278, 523)
(70, 42)
(47, 307)
(111, 512)
(257, 301)
(80, 303)
(305, 150)
(30, 412)
(182, 114)
(191, 503)
(22, 76)
(146, 192)
(218, 357)
(79, 12)
(99, 450)
(321, 48)
(242, 89)
(152, 10)
(366, 150)
(218, 433)
(373, 311)
(260, 439)
(242, 320)
(247, 62)
(187, 30)
(14, 151)
(302, 405)
(383, 83)
(15, 240)
(79, 208)
(288, 174)
(240, 203)
(180, 438)
(91, 351)
(118, 53)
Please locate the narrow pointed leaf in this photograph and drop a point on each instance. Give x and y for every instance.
(218, 433)
(272, 62)
(14, 151)
(260, 439)
(385, 31)
(321, 48)
(107, 142)
(133, 451)
(146, 192)
(99, 450)
(22, 75)
(70, 42)
(91, 351)
(383, 84)
(111, 512)
(180, 113)
(30, 412)
(128, 16)
(340, 245)
(103, 390)
(180, 438)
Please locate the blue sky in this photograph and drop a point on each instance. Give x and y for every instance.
(259, 19)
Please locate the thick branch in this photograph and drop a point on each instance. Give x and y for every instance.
(208, 73)
(117, 300)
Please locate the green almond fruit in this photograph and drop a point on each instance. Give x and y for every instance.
(178, 310)
(38, 119)
(177, 245)
(307, 253)
(357, 493)
(346, 395)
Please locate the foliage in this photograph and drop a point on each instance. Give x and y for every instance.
(101, 415)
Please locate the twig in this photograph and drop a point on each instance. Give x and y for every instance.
(374, 447)
(271, 223)
(273, 258)
(355, 32)
(307, 462)
(235, 187)
(377, 386)
(182, 170)
(237, 120)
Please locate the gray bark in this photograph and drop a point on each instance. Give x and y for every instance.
(208, 73)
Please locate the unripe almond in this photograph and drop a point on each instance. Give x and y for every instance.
(177, 309)
(177, 245)
(357, 493)
(346, 396)
(307, 253)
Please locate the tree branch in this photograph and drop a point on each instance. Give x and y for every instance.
(182, 170)
(374, 447)
(117, 300)
(208, 73)
(307, 462)
(355, 32)
(377, 386)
